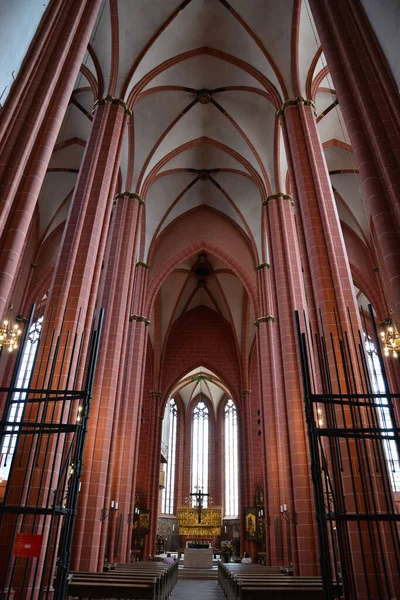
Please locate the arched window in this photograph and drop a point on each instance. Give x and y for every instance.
(168, 493)
(384, 417)
(200, 449)
(231, 460)
(18, 401)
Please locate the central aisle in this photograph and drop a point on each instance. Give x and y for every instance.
(197, 590)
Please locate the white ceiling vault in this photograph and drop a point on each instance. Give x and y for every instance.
(204, 79)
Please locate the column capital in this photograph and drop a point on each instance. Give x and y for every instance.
(295, 102)
(131, 195)
(276, 197)
(140, 319)
(246, 393)
(155, 393)
(111, 100)
(264, 265)
(142, 264)
(267, 319)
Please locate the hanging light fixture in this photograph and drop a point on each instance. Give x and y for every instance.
(390, 337)
(9, 333)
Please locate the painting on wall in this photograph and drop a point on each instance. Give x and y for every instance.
(144, 521)
(250, 520)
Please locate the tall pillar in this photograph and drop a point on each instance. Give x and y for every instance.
(126, 461)
(67, 310)
(369, 101)
(287, 276)
(274, 420)
(335, 303)
(114, 298)
(31, 125)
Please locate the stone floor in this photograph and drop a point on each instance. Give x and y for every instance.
(197, 590)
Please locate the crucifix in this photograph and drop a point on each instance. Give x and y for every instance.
(199, 496)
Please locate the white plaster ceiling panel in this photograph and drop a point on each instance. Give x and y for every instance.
(338, 158)
(385, 18)
(204, 156)
(205, 72)
(202, 370)
(257, 118)
(349, 187)
(272, 24)
(190, 288)
(170, 291)
(85, 99)
(205, 23)
(283, 163)
(308, 43)
(233, 291)
(204, 120)
(202, 298)
(124, 161)
(101, 42)
(186, 393)
(217, 264)
(203, 192)
(323, 100)
(152, 116)
(76, 124)
(214, 287)
(69, 157)
(346, 217)
(55, 188)
(161, 195)
(60, 218)
(248, 200)
(88, 62)
(144, 18)
(332, 127)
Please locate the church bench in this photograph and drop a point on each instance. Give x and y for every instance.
(97, 589)
(103, 579)
(163, 577)
(244, 583)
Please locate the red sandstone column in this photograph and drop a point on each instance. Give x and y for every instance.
(66, 44)
(114, 299)
(274, 430)
(287, 274)
(370, 105)
(74, 273)
(126, 462)
(332, 286)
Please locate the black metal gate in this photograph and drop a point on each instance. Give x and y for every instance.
(354, 451)
(44, 448)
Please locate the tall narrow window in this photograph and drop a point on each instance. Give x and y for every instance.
(231, 460)
(18, 400)
(384, 417)
(200, 441)
(168, 493)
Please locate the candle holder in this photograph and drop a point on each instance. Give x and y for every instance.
(111, 511)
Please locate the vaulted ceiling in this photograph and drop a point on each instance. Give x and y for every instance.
(204, 79)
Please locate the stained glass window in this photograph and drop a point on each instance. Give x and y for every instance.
(168, 493)
(231, 460)
(384, 417)
(18, 401)
(200, 449)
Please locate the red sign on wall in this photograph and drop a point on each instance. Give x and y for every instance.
(28, 544)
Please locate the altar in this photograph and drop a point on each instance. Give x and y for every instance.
(198, 558)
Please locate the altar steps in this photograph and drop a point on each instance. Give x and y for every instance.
(194, 574)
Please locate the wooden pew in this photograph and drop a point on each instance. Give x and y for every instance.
(147, 581)
(247, 582)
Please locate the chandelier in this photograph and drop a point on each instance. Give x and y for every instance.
(390, 337)
(9, 334)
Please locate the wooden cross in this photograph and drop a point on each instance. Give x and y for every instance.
(199, 496)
